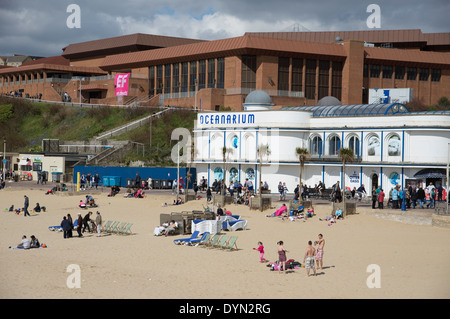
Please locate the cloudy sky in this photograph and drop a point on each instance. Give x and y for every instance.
(39, 27)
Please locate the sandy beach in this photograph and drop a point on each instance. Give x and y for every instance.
(413, 258)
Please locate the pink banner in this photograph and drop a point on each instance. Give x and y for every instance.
(121, 83)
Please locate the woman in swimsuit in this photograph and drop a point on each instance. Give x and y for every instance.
(281, 256)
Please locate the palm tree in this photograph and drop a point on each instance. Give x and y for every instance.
(302, 154)
(226, 151)
(346, 155)
(262, 150)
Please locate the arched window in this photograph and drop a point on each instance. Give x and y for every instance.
(334, 144)
(233, 174)
(373, 146)
(250, 174)
(218, 173)
(353, 144)
(394, 146)
(315, 145)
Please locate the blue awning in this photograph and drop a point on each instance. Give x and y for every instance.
(431, 173)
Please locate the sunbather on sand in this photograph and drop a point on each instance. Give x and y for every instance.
(279, 212)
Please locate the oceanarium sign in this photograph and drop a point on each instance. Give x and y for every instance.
(226, 119)
(271, 119)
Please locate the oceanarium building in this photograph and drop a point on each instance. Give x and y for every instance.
(391, 144)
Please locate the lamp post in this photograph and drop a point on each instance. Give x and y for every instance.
(446, 177)
(4, 157)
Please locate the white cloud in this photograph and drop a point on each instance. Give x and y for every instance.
(209, 26)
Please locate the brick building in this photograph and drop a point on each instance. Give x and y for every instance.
(294, 68)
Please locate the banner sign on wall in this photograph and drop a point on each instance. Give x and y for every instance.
(121, 83)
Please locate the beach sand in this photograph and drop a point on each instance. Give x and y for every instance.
(413, 259)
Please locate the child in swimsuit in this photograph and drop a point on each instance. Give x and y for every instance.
(281, 256)
(261, 251)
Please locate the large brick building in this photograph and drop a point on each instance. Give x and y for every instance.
(294, 68)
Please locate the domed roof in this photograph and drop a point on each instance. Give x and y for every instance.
(328, 100)
(258, 97)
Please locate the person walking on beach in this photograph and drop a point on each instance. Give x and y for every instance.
(98, 222)
(79, 225)
(281, 257)
(308, 260)
(65, 224)
(261, 251)
(69, 218)
(86, 220)
(25, 206)
(319, 253)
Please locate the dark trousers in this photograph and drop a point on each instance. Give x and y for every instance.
(79, 231)
(25, 211)
(395, 203)
(380, 205)
(66, 234)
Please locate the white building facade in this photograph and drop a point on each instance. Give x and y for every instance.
(391, 145)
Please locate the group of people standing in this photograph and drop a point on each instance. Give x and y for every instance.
(89, 181)
(67, 224)
(412, 196)
(311, 258)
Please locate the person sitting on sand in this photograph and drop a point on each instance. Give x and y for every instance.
(24, 244)
(81, 204)
(34, 242)
(38, 208)
(279, 212)
(179, 201)
(338, 213)
(114, 190)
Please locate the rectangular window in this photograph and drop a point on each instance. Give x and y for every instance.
(248, 75)
(424, 74)
(192, 75)
(201, 74)
(399, 72)
(411, 74)
(220, 73)
(151, 80)
(387, 71)
(167, 77)
(310, 79)
(159, 79)
(211, 73)
(324, 74)
(435, 75)
(176, 77)
(297, 75)
(184, 76)
(374, 70)
(366, 70)
(336, 80)
(283, 74)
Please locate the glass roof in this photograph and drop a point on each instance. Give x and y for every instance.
(352, 110)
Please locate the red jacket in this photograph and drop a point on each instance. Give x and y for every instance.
(381, 197)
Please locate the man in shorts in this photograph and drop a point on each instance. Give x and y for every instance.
(308, 260)
(319, 253)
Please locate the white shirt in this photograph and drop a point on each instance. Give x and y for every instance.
(26, 243)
